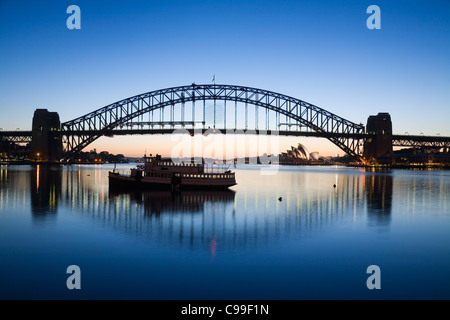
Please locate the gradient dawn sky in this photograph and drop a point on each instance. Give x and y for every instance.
(319, 51)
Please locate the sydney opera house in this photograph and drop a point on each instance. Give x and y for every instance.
(298, 155)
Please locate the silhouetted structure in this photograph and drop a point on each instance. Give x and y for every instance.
(381, 143)
(46, 145)
(283, 116)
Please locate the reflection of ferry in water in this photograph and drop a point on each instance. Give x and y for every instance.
(160, 173)
(157, 202)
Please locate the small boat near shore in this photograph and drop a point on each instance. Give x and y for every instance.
(165, 174)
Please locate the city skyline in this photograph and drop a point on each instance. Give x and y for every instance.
(322, 53)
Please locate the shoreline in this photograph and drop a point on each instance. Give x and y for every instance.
(411, 166)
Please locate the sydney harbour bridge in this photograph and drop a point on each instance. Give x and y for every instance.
(209, 108)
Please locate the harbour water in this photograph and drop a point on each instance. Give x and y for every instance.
(297, 233)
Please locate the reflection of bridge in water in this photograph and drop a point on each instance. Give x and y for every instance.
(245, 218)
(225, 220)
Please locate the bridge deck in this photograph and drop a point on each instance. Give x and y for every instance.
(397, 140)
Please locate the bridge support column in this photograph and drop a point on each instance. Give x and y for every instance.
(380, 146)
(46, 145)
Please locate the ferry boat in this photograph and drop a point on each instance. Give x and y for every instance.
(163, 173)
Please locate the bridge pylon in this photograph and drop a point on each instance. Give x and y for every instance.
(380, 142)
(46, 145)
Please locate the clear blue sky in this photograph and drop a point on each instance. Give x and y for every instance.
(318, 51)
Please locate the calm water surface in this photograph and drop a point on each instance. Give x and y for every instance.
(316, 242)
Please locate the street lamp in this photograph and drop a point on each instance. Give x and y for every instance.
(38, 154)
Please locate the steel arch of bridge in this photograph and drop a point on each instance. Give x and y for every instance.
(343, 133)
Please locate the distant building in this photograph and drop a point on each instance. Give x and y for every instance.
(299, 155)
(314, 155)
(299, 152)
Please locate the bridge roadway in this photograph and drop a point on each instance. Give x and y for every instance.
(418, 141)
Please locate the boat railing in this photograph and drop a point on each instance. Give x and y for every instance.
(216, 167)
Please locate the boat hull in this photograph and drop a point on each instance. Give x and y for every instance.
(119, 181)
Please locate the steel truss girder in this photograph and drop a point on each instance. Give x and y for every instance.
(121, 112)
(427, 142)
(18, 137)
